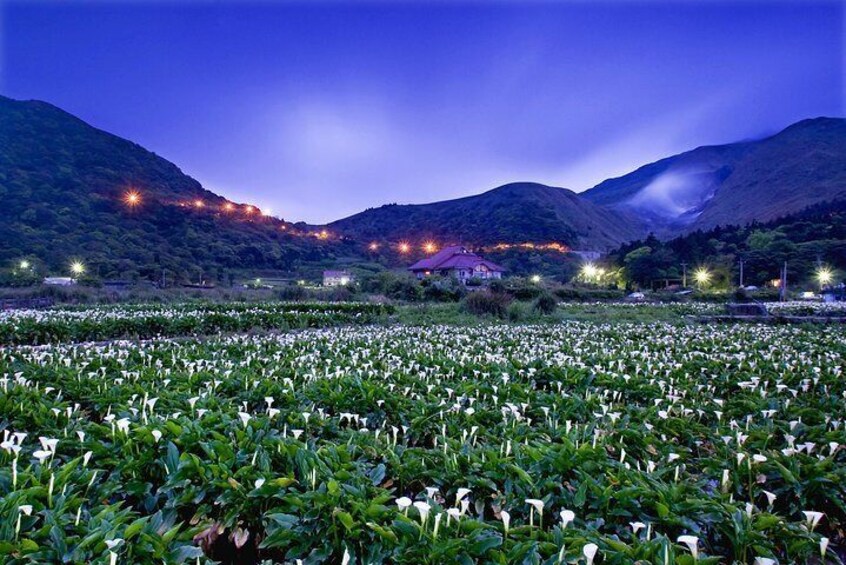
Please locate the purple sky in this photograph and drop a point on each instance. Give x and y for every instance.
(320, 110)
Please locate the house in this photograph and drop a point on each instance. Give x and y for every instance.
(337, 278)
(458, 262)
(59, 281)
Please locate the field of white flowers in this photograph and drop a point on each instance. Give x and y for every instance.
(34, 327)
(569, 443)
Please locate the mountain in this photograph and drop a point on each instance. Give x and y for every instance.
(513, 213)
(803, 165)
(63, 187)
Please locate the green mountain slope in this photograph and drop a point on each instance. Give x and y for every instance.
(63, 185)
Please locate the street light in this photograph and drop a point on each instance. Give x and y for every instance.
(702, 276)
(404, 247)
(589, 271)
(77, 268)
(824, 276)
(430, 247)
(25, 265)
(535, 279)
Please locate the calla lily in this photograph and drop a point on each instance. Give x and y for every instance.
(506, 520)
(423, 508)
(461, 493)
(536, 506)
(403, 503)
(567, 516)
(589, 551)
(812, 518)
(692, 543)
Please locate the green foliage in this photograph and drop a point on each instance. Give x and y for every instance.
(803, 240)
(546, 303)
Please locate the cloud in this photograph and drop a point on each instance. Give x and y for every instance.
(660, 137)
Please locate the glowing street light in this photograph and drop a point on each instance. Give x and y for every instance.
(373, 246)
(404, 247)
(589, 271)
(249, 210)
(132, 198)
(824, 276)
(536, 279)
(702, 276)
(229, 207)
(199, 203)
(430, 247)
(24, 265)
(77, 268)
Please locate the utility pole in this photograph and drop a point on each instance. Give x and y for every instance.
(684, 274)
(741, 271)
(783, 285)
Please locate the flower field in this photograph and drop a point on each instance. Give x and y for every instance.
(570, 443)
(93, 324)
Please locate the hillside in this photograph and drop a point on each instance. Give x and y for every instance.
(803, 165)
(513, 213)
(63, 185)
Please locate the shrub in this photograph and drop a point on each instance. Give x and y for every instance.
(292, 293)
(546, 303)
(496, 285)
(440, 289)
(573, 294)
(518, 311)
(486, 303)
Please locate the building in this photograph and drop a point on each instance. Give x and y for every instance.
(337, 278)
(458, 262)
(59, 281)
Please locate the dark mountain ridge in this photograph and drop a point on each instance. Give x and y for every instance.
(512, 213)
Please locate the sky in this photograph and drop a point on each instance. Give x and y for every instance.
(319, 110)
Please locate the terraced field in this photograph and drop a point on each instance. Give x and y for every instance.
(558, 443)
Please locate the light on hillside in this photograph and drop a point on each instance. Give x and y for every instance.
(24, 265)
(373, 246)
(249, 210)
(536, 279)
(404, 247)
(132, 198)
(77, 268)
(229, 207)
(430, 247)
(199, 203)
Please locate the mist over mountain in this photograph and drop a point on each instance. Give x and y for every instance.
(734, 184)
